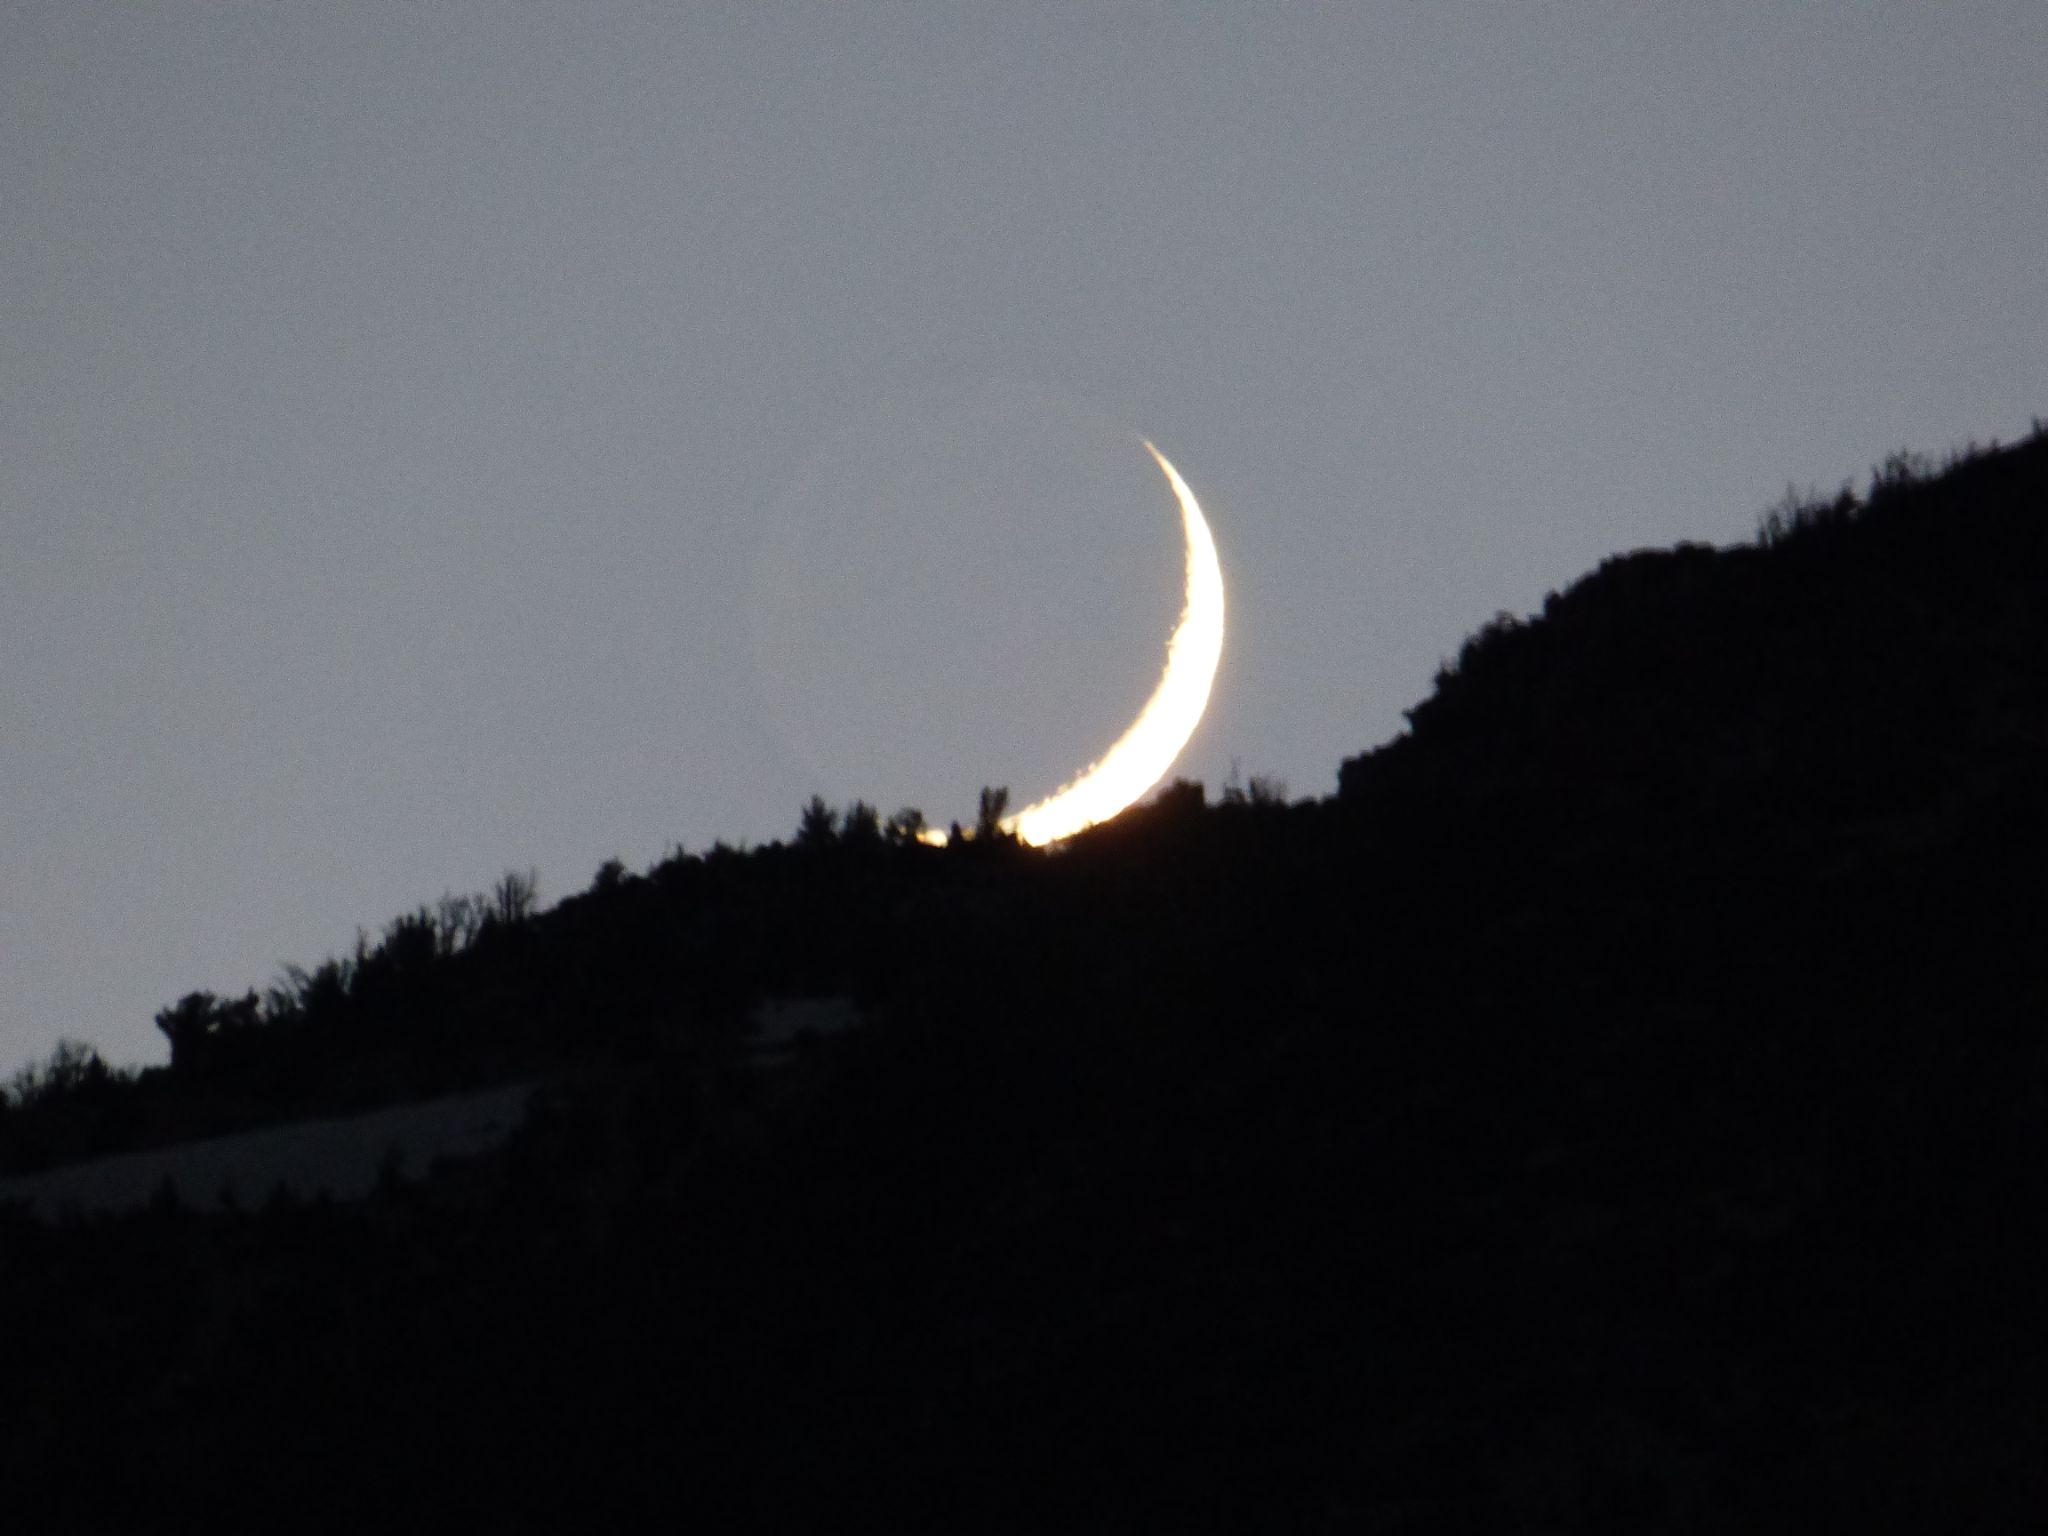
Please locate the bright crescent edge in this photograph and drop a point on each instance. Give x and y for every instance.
(1140, 758)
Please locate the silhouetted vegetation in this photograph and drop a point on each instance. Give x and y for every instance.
(1620, 1106)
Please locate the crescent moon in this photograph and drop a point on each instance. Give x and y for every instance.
(1140, 757)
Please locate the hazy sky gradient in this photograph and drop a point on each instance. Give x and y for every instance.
(401, 406)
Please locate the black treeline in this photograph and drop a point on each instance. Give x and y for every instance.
(1621, 1106)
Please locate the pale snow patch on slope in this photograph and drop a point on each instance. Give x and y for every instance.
(340, 1158)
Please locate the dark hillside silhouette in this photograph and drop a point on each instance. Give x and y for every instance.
(1621, 1106)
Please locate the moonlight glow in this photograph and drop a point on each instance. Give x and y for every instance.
(1141, 756)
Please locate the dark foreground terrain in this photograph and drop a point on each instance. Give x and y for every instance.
(1623, 1106)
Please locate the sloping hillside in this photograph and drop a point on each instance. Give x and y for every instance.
(1621, 1106)
(1867, 661)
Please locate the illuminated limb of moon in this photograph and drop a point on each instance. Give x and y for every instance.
(1142, 755)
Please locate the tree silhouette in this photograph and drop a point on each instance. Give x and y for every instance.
(861, 826)
(988, 817)
(73, 1068)
(515, 897)
(818, 827)
(198, 1022)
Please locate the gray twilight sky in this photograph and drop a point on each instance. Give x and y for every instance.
(438, 438)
